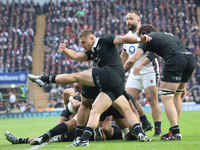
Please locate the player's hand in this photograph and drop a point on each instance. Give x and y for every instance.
(62, 46)
(75, 94)
(145, 38)
(183, 94)
(137, 70)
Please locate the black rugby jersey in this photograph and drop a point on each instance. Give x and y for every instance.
(105, 53)
(164, 44)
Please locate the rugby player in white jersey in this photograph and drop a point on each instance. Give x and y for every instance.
(147, 79)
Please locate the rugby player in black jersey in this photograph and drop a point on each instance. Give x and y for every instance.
(65, 130)
(109, 76)
(178, 68)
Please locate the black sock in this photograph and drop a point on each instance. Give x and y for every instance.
(175, 130)
(87, 134)
(46, 136)
(21, 140)
(79, 131)
(144, 120)
(59, 129)
(157, 126)
(49, 79)
(137, 128)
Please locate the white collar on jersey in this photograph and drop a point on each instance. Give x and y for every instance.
(134, 33)
(95, 44)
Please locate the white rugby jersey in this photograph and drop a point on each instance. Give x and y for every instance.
(131, 48)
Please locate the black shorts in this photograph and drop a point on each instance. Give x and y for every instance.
(89, 92)
(109, 80)
(111, 111)
(178, 68)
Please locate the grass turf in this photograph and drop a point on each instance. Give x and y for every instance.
(31, 127)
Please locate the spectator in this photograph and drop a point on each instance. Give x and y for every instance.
(80, 11)
(3, 108)
(1, 67)
(53, 90)
(52, 103)
(52, 96)
(196, 97)
(29, 107)
(12, 100)
(1, 96)
(141, 99)
(22, 106)
(38, 9)
(15, 108)
(59, 104)
(23, 93)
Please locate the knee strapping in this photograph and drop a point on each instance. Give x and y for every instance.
(69, 105)
(168, 93)
(179, 90)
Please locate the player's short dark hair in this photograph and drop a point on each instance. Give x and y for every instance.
(146, 29)
(85, 33)
(135, 12)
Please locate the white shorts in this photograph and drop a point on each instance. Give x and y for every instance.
(142, 81)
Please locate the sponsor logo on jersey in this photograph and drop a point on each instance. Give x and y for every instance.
(151, 81)
(132, 49)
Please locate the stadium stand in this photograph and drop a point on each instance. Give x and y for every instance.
(17, 29)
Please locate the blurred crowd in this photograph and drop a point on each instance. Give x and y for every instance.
(17, 30)
(16, 103)
(65, 19)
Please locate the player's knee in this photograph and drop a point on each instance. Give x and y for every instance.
(71, 124)
(126, 111)
(77, 86)
(167, 92)
(68, 92)
(153, 100)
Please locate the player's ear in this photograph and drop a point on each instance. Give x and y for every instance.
(139, 20)
(92, 37)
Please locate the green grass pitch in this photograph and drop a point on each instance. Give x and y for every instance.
(30, 127)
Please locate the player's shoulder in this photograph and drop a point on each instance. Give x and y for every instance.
(107, 36)
(157, 34)
(129, 33)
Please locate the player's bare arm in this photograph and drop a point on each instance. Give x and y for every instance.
(130, 39)
(151, 56)
(124, 57)
(131, 61)
(71, 53)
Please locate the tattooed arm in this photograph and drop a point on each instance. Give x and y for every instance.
(130, 39)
